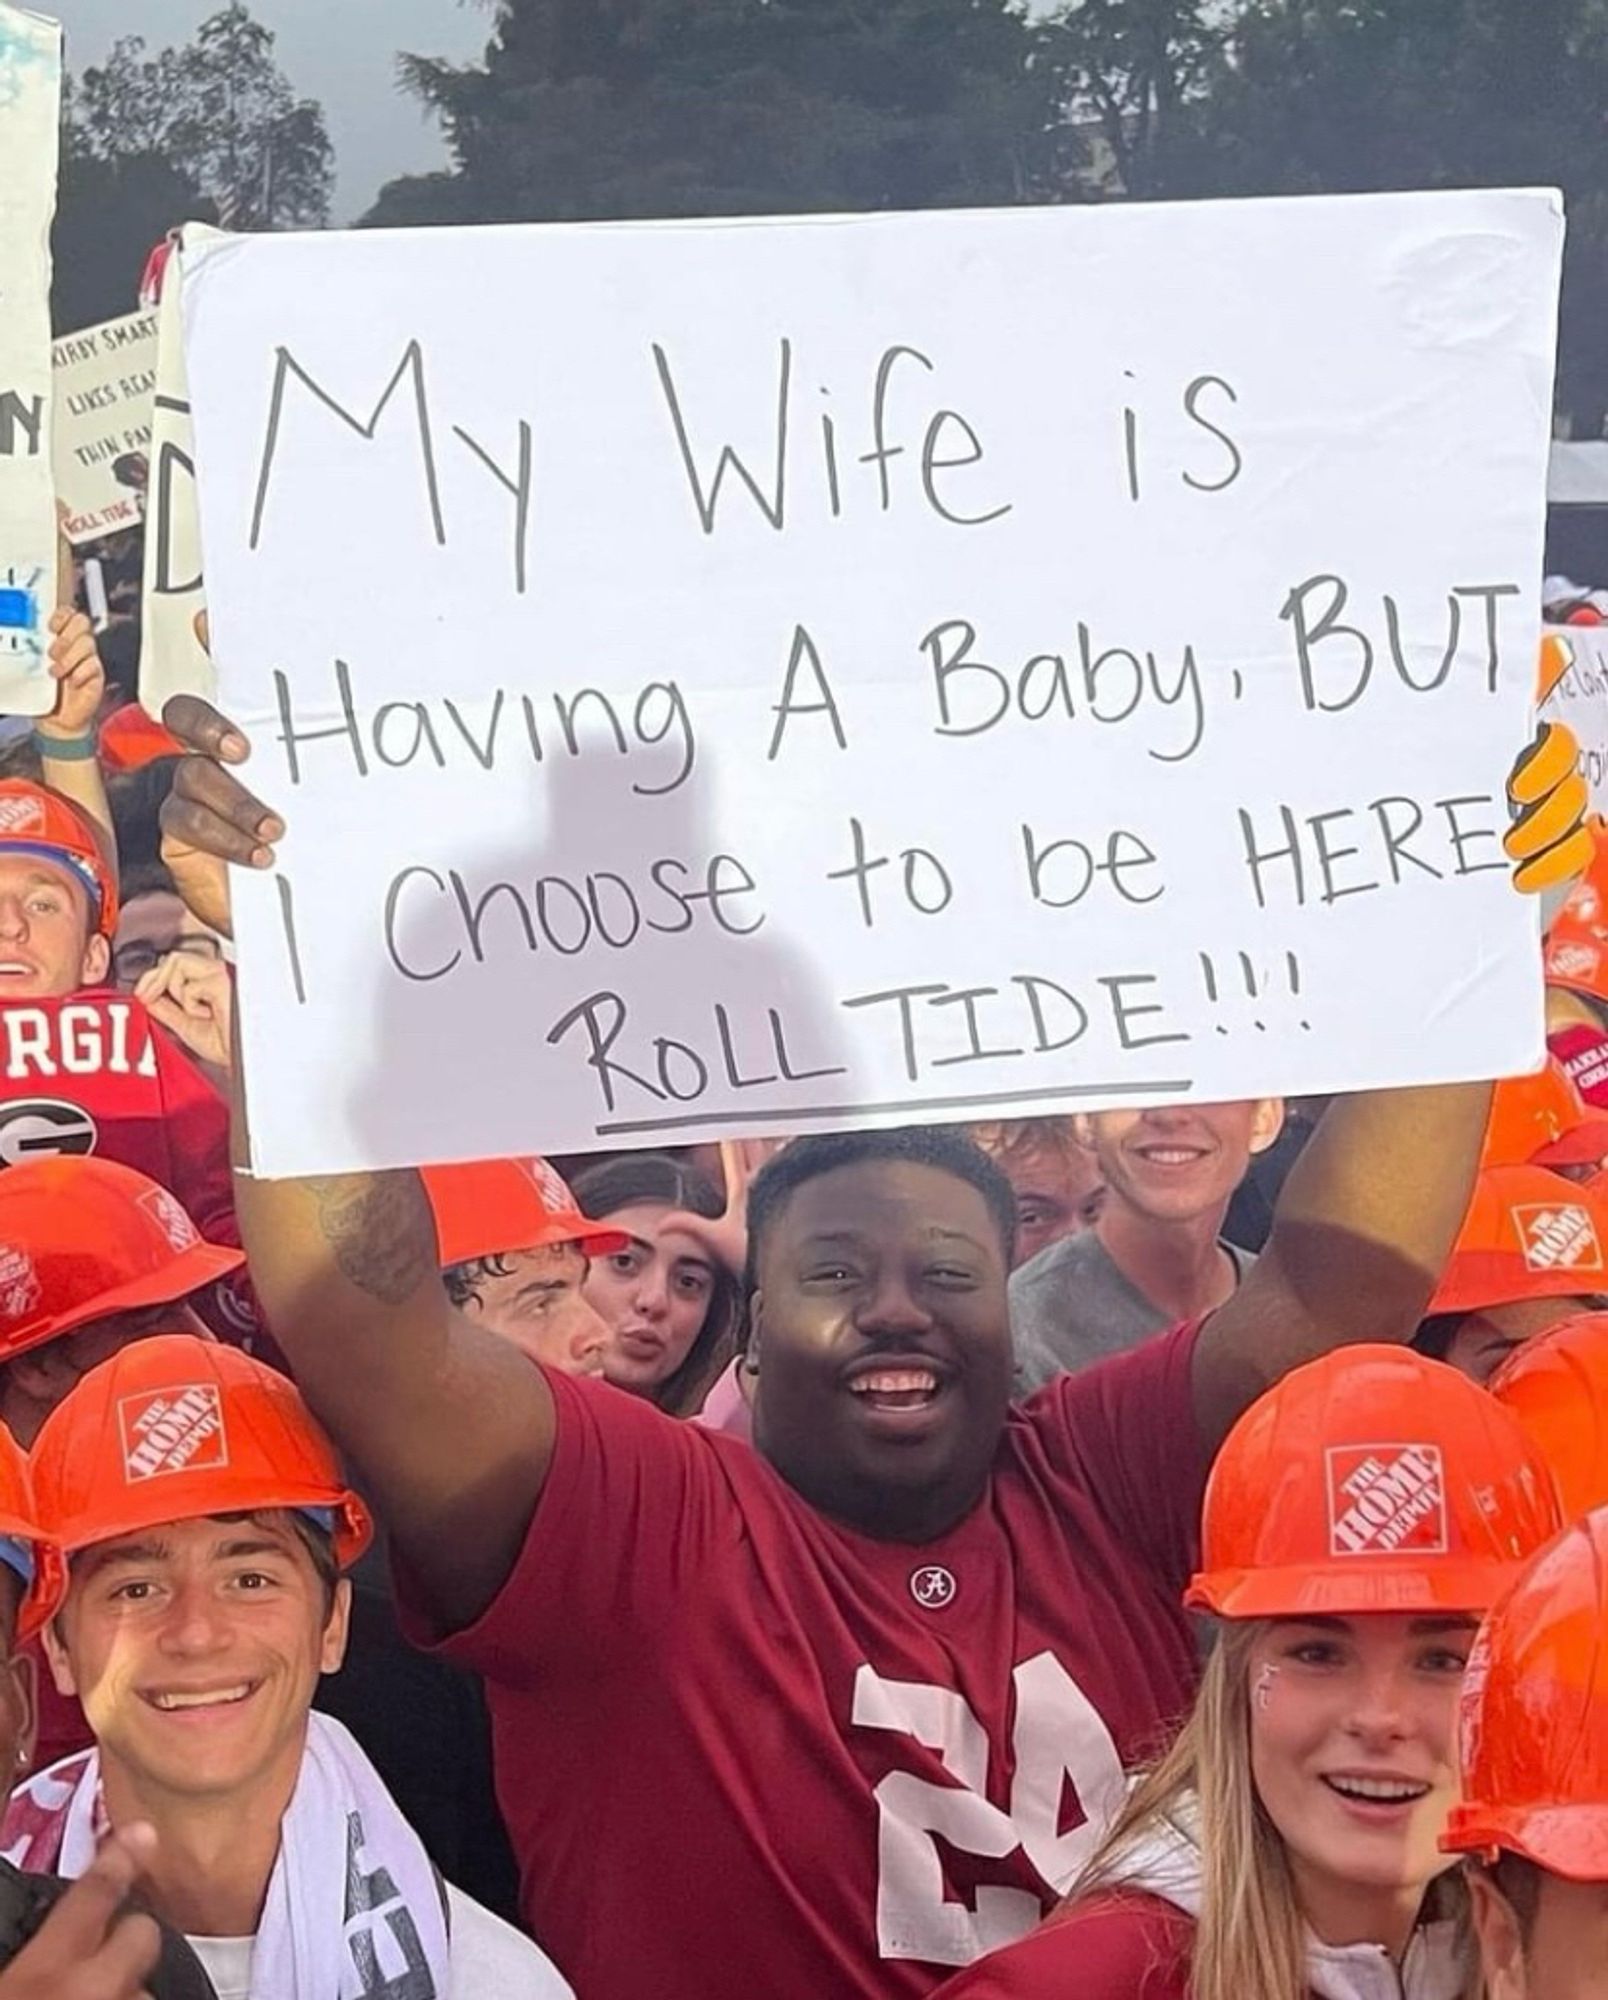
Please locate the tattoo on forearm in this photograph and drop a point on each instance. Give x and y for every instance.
(380, 1228)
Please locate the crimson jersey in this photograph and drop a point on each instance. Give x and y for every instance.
(1121, 1947)
(93, 1073)
(744, 1751)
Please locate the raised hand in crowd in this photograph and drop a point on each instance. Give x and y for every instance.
(66, 738)
(725, 1236)
(92, 1946)
(193, 998)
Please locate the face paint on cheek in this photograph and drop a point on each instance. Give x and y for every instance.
(1263, 1690)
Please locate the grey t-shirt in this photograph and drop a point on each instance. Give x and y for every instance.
(1071, 1306)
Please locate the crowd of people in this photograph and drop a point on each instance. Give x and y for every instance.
(1150, 1553)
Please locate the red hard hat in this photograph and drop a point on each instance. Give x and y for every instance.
(1542, 1121)
(1370, 1480)
(1528, 1234)
(176, 1428)
(488, 1208)
(19, 1522)
(81, 1239)
(1534, 1721)
(1557, 1387)
(36, 820)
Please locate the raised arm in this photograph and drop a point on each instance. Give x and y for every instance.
(1362, 1230)
(449, 1429)
(1371, 1210)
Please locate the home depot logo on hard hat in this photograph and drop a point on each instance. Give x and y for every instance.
(20, 1288)
(1573, 961)
(170, 1217)
(21, 815)
(1386, 1498)
(556, 1197)
(1557, 1237)
(172, 1430)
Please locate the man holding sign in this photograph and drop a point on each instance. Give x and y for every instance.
(835, 1714)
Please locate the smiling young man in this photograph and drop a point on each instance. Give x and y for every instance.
(206, 1526)
(836, 1714)
(1154, 1254)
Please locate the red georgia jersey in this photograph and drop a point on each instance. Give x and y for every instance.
(93, 1073)
(744, 1751)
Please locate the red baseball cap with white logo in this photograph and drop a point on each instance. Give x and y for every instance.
(35, 820)
(1528, 1234)
(177, 1428)
(492, 1208)
(83, 1238)
(1372, 1479)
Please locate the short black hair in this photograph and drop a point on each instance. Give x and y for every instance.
(944, 1147)
(464, 1281)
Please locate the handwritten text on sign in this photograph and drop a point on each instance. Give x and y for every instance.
(104, 382)
(754, 676)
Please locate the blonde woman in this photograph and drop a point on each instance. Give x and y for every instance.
(1358, 1521)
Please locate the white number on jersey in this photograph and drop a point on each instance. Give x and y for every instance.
(1059, 1741)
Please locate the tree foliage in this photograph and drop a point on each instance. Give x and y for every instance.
(222, 115)
(595, 108)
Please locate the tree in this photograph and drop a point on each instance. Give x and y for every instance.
(221, 113)
(596, 108)
(1140, 72)
(108, 215)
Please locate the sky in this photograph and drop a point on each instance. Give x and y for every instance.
(341, 52)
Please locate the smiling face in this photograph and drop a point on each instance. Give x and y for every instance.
(1174, 1163)
(1353, 1724)
(195, 1649)
(47, 945)
(883, 1346)
(653, 1297)
(535, 1299)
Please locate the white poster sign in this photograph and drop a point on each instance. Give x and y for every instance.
(104, 381)
(172, 593)
(743, 677)
(30, 105)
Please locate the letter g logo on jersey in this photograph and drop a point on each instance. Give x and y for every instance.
(37, 1127)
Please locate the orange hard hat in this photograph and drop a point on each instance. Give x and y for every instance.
(1534, 1720)
(1372, 1479)
(1528, 1234)
(1542, 1121)
(129, 738)
(36, 1558)
(1557, 1387)
(82, 1238)
(488, 1208)
(36, 820)
(175, 1428)
(1576, 955)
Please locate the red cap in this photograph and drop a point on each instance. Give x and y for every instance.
(1542, 1121)
(130, 738)
(1372, 1479)
(176, 1428)
(19, 1522)
(489, 1208)
(1528, 1234)
(1534, 1717)
(81, 1239)
(36, 820)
